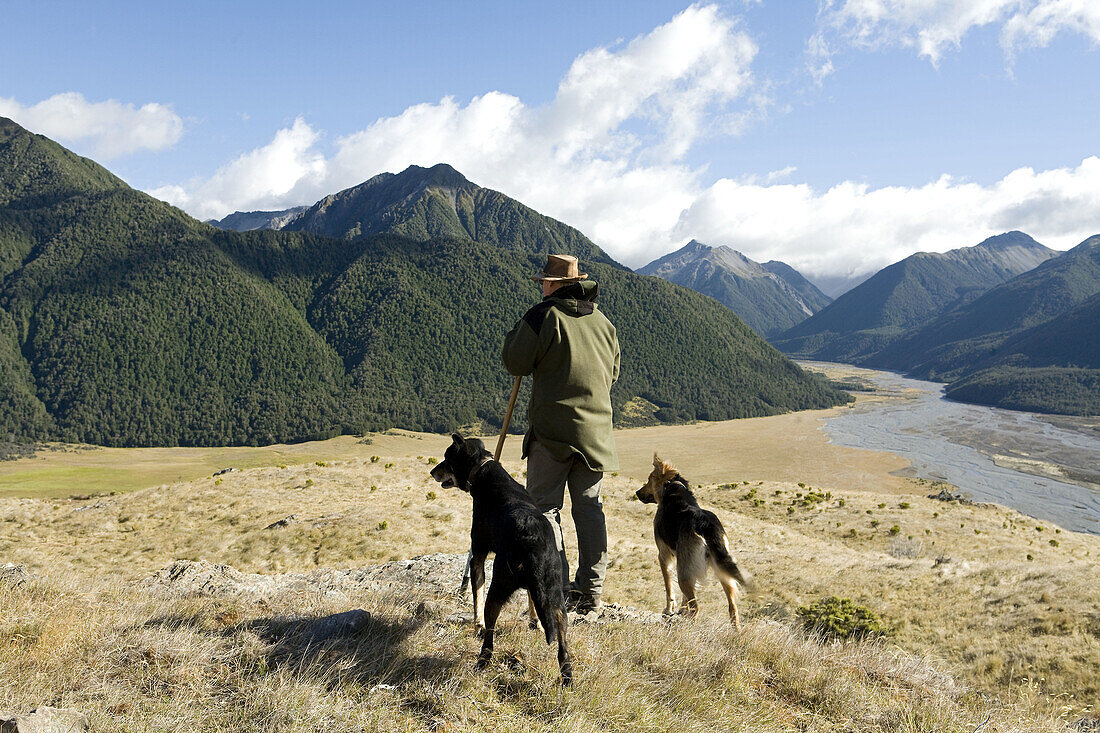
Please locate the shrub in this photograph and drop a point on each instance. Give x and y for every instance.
(839, 618)
(894, 530)
(322, 464)
(903, 505)
(383, 524)
(375, 459)
(432, 461)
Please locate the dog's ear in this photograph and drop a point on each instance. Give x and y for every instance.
(457, 439)
(657, 462)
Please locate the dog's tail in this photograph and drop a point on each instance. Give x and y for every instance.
(707, 526)
(548, 610)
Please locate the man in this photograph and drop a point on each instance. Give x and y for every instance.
(571, 349)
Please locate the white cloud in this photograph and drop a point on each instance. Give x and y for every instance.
(852, 230)
(112, 128)
(285, 169)
(606, 154)
(933, 27)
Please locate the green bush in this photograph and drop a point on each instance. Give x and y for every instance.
(839, 618)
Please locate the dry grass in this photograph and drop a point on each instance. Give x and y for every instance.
(134, 663)
(1025, 631)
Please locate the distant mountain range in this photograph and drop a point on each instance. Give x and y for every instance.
(770, 297)
(1008, 323)
(867, 318)
(247, 221)
(123, 321)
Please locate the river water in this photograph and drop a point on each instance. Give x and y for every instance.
(957, 443)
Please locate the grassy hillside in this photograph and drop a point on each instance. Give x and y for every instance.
(990, 615)
(125, 322)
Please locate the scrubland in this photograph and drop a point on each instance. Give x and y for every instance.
(992, 616)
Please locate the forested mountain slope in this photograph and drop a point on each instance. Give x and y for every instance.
(125, 322)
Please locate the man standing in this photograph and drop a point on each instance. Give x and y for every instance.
(571, 349)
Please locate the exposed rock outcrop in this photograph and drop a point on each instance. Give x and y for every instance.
(14, 576)
(44, 720)
(436, 576)
(433, 575)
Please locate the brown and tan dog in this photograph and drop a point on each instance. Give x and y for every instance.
(692, 537)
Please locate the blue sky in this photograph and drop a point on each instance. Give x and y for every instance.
(836, 136)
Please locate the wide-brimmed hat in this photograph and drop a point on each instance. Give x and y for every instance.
(561, 268)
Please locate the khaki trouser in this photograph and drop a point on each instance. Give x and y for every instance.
(546, 482)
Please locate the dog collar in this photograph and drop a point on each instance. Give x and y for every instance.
(477, 469)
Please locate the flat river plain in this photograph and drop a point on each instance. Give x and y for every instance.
(1046, 466)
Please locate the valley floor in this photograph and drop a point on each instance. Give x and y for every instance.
(992, 615)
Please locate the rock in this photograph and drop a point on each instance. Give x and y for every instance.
(45, 720)
(946, 495)
(436, 575)
(202, 578)
(429, 609)
(1086, 724)
(347, 623)
(284, 522)
(609, 613)
(14, 576)
(225, 470)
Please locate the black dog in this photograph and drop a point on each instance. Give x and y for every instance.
(507, 523)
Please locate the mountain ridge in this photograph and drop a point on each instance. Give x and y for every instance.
(906, 294)
(769, 297)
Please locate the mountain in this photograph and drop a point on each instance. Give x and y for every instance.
(424, 203)
(246, 221)
(770, 298)
(1051, 367)
(123, 321)
(810, 294)
(1030, 343)
(862, 322)
(972, 335)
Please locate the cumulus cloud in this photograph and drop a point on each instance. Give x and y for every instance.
(287, 168)
(112, 128)
(852, 230)
(933, 27)
(606, 154)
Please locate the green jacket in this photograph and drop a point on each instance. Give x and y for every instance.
(571, 349)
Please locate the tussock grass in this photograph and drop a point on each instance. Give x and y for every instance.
(138, 663)
(978, 634)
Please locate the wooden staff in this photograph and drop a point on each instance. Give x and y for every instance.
(507, 418)
(496, 457)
